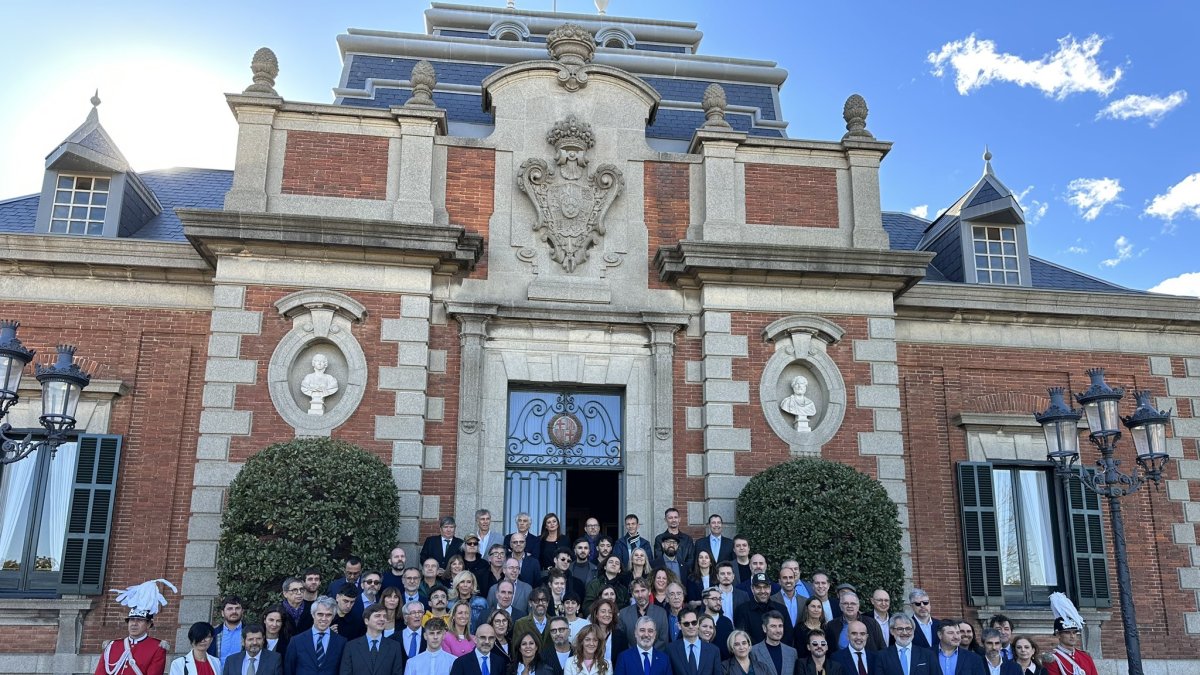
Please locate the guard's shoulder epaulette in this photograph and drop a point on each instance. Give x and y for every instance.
(166, 646)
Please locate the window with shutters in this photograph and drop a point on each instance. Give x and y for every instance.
(1027, 533)
(55, 518)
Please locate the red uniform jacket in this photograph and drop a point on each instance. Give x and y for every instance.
(1080, 657)
(149, 655)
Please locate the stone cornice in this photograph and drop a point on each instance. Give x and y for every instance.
(56, 255)
(977, 303)
(632, 82)
(442, 248)
(756, 264)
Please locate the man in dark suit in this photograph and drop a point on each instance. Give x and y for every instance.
(643, 658)
(371, 654)
(317, 651)
(555, 654)
(442, 547)
(483, 660)
(952, 659)
(924, 625)
(711, 597)
(629, 619)
(855, 658)
(821, 586)
(350, 575)
(731, 597)
(920, 660)
(253, 658)
(685, 550)
(411, 637)
(631, 540)
(690, 655)
(837, 631)
(718, 546)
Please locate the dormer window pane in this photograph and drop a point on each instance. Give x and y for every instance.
(1001, 265)
(71, 212)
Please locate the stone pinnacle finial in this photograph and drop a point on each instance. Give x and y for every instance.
(987, 161)
(855, 114)
(94, 114)
(265, 67)
(571, 44)
(424, 79)
(714, 104)
(96, 99)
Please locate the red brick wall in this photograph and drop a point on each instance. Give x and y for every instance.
(470, 194)
(335, 165)
(667, 210)
(778, 194)
(445, 433)
(686, 441)
(940, 382)
(157, 353)
(29, 639)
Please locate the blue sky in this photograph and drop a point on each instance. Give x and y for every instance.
(1091, 110)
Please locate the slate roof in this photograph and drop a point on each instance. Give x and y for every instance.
(175, 188)
(905, 230)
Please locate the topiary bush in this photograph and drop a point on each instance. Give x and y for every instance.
(304, 503)
(827, 516)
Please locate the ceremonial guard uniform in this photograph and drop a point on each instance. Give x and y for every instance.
(138, 653)
(1067, 658)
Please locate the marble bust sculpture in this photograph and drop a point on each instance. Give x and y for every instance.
(318, 384)
(798, 404)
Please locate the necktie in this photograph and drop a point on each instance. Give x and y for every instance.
(412, 646)
(251, 670)
(862, 667)
(374, 645)
(445, 546)
(904, 659)
(692, 658)
(483, 665)
(320, 649)
(646, 663)
(1006, 653)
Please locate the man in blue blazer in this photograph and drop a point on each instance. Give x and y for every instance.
(716, 544)
(952, 659)
(317, 651)
(921, 661)
(689, 655)
(265, 661)
(855, 658)
(473, 662)
(642, 658)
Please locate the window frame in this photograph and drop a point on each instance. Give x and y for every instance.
(88, 222)
(1059, 532)
(987, 255)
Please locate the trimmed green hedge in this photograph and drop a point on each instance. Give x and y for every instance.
(304, 503)
(827, 516)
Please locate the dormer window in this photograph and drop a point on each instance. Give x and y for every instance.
(996, 257)
(80, 204)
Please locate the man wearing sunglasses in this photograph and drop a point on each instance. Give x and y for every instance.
(689, 654)
(925, 627)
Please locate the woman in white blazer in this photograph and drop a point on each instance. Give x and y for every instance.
(198, 661)
(588, 658)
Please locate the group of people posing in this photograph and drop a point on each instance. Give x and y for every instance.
(525, 604)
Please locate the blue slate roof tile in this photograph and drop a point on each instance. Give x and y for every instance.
(986, 194)
(18, 215)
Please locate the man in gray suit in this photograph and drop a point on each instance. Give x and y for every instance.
(772, 650)
(253, 659)
(627, 618)
(371, 654)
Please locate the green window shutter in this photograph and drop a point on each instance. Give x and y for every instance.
(1086, 520)
(981, 540)
(89, 521)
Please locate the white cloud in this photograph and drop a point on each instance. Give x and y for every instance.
(1091, 195)
(1034, 209)
(1183, 197)
(1124, 249)
(1077, 250)
(1070, 70)
(1153, 108)
(1187, 283)
(921, 211)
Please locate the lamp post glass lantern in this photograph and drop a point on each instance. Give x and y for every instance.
(1148, 426)
(62, 382)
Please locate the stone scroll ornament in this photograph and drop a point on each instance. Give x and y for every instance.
(570, 204)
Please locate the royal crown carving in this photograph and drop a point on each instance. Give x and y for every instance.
(570, 204)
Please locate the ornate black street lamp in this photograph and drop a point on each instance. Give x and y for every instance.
(62, 383)
(1148, 427)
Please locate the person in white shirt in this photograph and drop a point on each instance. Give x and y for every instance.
(589, 654)
(432, 661)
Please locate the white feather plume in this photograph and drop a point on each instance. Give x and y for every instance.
(1062, 607)
(145, 596)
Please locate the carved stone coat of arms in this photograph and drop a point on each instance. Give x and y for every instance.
(570, 204)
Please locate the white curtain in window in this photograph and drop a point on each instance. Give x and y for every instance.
(16, 493)
(1039, 533)
(53, 531)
